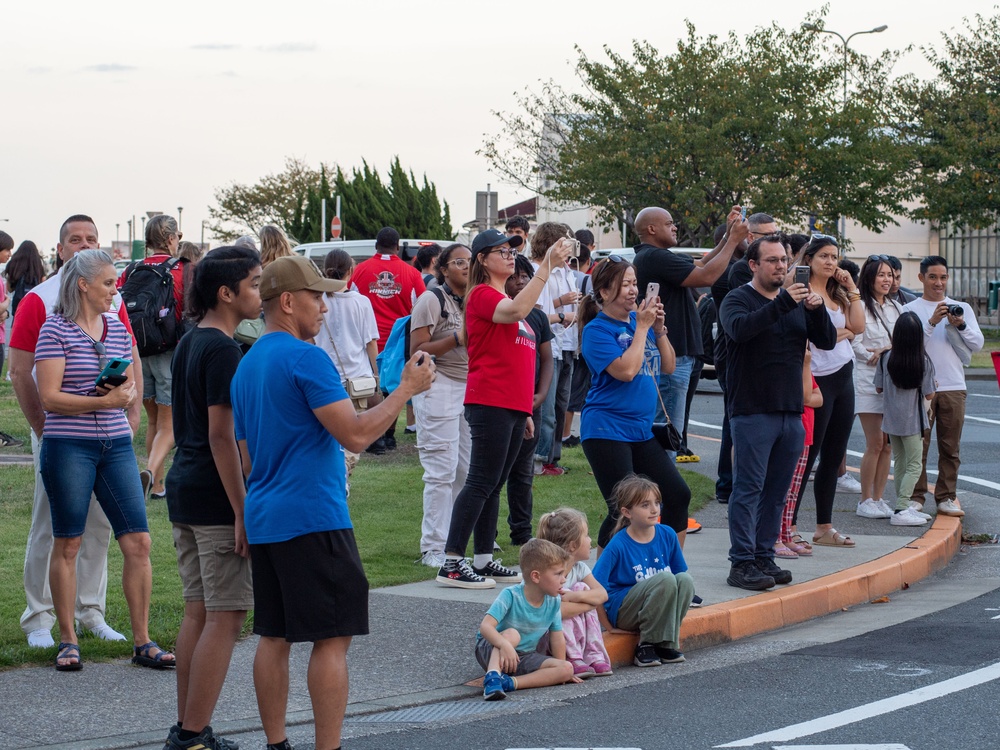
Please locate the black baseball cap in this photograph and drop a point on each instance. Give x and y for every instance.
(494, 238)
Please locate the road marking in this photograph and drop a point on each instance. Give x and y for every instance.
(983, 419)
(870, 710)
(703, 424)
(993, 609)
(893, 746)
(984, 395)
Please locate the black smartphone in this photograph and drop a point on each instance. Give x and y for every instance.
(113, 372)
(802, 275)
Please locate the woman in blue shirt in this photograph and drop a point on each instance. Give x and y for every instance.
(626, 348)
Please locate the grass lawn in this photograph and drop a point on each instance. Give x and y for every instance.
(386, 507)
(984, 358)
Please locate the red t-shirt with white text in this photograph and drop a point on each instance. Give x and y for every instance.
(392, 285)
(501, 355)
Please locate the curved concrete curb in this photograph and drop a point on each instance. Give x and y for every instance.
(788, 605)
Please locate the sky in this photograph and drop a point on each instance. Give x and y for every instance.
(116, 108)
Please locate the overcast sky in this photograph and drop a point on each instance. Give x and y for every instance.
(114, 108)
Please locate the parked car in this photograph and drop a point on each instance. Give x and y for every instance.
(361, 249)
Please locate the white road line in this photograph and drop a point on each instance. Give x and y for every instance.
(984, 395)
(870, 710)
(983, 419)
(893, 746)
(704, 424)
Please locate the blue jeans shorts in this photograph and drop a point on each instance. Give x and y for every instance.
(73, 468)
(156, 378)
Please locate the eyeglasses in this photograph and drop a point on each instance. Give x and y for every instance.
(505, 252)
(459, 262)
(773, 261)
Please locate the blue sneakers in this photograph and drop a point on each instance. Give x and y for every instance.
(496, 685)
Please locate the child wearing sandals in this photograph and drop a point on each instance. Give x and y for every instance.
(511, 644)
(790, 544)
(581, 594)
(644, 572)
(905, 375)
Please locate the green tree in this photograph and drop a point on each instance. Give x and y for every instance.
(954, 121)
(293, 200)
(753, 119)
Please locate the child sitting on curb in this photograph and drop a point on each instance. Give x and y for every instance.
(582, 594)
(510, 645)
(644, 572)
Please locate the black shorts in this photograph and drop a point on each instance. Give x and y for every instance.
(309, 588)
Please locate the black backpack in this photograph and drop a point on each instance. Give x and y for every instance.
(148, 294)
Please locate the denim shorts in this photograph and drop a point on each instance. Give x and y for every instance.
(74, 468)
(156, 378)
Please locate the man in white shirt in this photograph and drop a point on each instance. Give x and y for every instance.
(939, 313)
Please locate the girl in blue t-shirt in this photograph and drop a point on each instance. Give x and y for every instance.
(626, 349)
(645, 575)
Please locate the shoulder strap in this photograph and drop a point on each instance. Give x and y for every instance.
(439, 293)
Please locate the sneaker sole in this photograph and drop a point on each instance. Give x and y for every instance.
(499, 695)
(952, 513)
(921, 522)
(646, 663)
(874, 517)
(504, 580)
(673, 661)
(762, 586)
(489, 583)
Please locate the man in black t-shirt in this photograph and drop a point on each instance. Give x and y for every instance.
(677, 275)
(205, 489)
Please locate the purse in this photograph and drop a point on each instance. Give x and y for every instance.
(360, 388)
(666, 434)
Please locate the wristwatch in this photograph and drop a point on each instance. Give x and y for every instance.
(562, 317)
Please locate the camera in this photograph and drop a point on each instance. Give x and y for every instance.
(956, 310)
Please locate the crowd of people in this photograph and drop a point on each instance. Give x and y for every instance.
(255, 367)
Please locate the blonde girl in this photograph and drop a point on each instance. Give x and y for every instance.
(645, 575)
(581, 595)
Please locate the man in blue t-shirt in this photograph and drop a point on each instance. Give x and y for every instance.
(293, 421)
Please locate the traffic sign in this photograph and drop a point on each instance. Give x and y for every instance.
(335, 227)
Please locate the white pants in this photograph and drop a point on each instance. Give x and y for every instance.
(445, 444)
(91, 563)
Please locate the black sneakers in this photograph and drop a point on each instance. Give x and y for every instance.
(499, 573)
(668, 655)
(459, 573)
(9, 441)
(205, 740)
(646, 656)
(746, 575)
(769, 568)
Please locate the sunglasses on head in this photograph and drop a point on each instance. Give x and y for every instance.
(616, 259)
(882, 258)
(823, 237)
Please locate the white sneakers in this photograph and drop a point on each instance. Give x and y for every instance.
(874, 509)
(107, 633)
(41, 638)
(918, 509)
(950, 508)
(848, 483)
(907, 517)
(432, 559)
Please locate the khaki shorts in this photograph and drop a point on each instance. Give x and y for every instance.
(210, 569)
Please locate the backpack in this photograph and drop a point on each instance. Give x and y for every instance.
(393, 357)
(22, 287)
(148, 295)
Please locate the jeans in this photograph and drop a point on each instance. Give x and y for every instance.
(724, 484)
(563, 379)
(767, 448)
(520, 500)
(74, 468)
(689, 397)
(444, 443)
(496, 439)
(545, 430)
(673, 390)
(612, 461)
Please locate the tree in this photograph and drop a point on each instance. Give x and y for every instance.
(751, 119)
(293, 200)
(954, 121)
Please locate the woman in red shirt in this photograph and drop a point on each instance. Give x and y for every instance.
(498, 401)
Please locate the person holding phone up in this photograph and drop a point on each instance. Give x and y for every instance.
(87, 448)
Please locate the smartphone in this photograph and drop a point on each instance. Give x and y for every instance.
(802, 275)
(575, 251)
(652, 289)
(113, 372)
(743, 213)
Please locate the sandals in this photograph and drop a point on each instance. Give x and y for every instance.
(159, 660)
(833, 538)
(798, 541)
(802, 550)
(785, 553)
(69, 651)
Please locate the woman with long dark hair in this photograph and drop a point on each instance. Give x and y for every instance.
(498, 400)
(881, 313)
(626, 348)
(834, 371)
(24, 271)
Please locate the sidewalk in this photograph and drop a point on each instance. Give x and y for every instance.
(116, 705)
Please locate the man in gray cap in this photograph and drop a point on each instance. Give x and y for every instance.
(293, 421)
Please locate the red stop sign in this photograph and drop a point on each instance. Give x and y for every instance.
(335, 227)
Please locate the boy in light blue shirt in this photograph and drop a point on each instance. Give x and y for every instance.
(510, 644)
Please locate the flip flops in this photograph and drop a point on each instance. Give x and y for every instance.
(69, 651)
(798, 541)
(785, 553)
(833, 538)
(801, 550)
(159, 660)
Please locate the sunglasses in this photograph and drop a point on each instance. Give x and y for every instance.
(823, 237)
(102, 353)
(883, 258)
(616, 259)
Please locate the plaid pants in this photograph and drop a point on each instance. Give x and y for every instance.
(792, 497)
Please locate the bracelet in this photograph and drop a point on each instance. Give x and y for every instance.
(455, 334)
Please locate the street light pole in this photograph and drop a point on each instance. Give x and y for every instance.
(845, 43)
(180, 226)
(203, 222)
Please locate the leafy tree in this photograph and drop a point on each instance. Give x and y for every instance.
(752, 119)
(954, 120)
(293, 201)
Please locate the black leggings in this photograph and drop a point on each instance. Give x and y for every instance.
(613, 460)
(831, 432)
(496, 439)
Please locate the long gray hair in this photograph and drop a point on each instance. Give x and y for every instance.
(86, 264)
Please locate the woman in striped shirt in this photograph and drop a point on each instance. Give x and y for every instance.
(87, 448)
